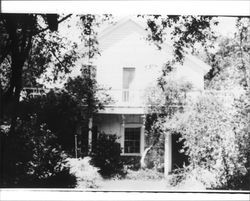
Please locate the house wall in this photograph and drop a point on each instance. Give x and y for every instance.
(130, 51)
(109, 124)
(190, 73)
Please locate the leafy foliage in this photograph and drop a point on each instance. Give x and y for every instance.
(28, 47)
(31, 157)
(65, 111)
(230, 63)
(162, 103)
(87, 176)
(62, 111)
(208, 127)
(184, 179)
(143, 174)
(230, 73)
(59, 111)
(106, 155)
(184, 31)
(214, 128)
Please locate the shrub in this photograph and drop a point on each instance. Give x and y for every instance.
(30, 155)
(87, 175)
(193, 179)
(143, 174)
(61, 179)
(106, 155)
(60, 112)
(155, 157)
(131, 162)
(177, 176)
(212, 141)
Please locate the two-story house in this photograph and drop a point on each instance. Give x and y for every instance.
(128, 65)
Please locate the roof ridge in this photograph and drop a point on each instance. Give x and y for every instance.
(117, 25)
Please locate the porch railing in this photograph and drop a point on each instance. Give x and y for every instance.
(127, 97)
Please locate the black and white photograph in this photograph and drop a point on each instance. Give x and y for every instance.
(143, 102)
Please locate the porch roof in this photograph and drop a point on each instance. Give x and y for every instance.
(123, 110)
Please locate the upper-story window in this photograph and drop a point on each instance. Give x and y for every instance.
(127, 79)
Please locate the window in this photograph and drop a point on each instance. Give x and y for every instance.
(132, 140)
(128, 77)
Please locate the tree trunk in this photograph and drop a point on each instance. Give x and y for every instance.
(144, 154)
(21, 43)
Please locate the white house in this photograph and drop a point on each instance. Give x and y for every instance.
(128, 65)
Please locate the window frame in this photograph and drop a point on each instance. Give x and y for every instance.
(141, 139)
(135, 143)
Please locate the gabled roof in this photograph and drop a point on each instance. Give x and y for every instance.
(119, 31)
(205, 67)
(120, 23)
(139, 28)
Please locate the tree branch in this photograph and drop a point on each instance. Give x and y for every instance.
(47, 28)
(56, 57)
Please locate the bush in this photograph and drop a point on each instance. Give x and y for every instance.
(212, 141)
(87, 175)
(177, 176)
(107, 155)
(30, 155)
(61, 179)
(60, 112)
(131, 162)
(193, 179)
(144, 174)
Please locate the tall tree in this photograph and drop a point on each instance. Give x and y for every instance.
(19, 33)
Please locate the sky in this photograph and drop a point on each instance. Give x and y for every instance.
(226, 26)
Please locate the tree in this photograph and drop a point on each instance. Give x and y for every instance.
(19, 33)
(215, 128)
(231, 73)
(230, 63)
(65, 111)
(59, 111)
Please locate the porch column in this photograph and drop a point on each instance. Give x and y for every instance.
(167, 154)
(77, 140)
(90, 125)
(142, 145)
(123, 132)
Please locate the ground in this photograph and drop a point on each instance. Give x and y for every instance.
(134, 185)
(145, 185)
